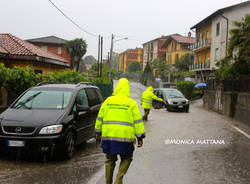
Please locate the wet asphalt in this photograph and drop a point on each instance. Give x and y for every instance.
(197, 160)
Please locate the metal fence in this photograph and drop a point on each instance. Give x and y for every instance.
(107, 89)
(241, 85)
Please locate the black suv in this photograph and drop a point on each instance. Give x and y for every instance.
(51, 117)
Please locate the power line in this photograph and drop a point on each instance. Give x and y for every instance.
(73, 22)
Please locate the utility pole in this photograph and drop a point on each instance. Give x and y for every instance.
(101, 55)
(110, 57)
(98, 60)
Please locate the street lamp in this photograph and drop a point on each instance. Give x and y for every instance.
(111, 52)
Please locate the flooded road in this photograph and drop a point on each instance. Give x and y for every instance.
(180, 148)
(29, 170)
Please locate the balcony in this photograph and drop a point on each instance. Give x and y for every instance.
(199, 45)
(199, 67)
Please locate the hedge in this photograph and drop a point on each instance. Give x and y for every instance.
(187, 88)
(17, 80)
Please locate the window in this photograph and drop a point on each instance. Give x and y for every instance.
(207, 35)
(156, 92)
(92, 98)
(199, 61)
(44, 47)
(38, 71)
(81, 98)
(59, 50)
(201, 35)
(206, 58)
(176, 57)
(217, 56)
(44, 99)
(100, 97)
(217, 29)
(173, 93)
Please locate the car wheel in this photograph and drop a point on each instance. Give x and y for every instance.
(168, 109)
(187, 110)
(155, 105)
(69, 146)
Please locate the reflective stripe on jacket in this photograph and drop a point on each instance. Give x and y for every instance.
(147, 98)
(119, 119)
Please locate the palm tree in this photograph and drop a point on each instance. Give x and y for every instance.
(76, 49)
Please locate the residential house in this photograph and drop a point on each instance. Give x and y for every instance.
(212, 37)
(17, 52)
(177, 46)
(129, 56)
(153, 50)
(52, 44)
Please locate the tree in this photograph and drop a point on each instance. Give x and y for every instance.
(161, 67)
(183, 63)
(148, 68)
(88, 60)
(240, 44)
(237, 63)
(225, 70)
(134, 66)
(186, 87)
(76, 49)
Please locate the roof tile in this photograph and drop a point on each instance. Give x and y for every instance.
(15, 46)
(183, 39)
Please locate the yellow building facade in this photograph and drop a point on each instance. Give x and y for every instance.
(177, 46)
(203, 43)
(129, 56)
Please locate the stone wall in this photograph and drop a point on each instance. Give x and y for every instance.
(231, 104)
(242, 109)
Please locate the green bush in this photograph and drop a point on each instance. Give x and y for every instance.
(134, 66)
(186, 87)
(70, 77)
(17, 80)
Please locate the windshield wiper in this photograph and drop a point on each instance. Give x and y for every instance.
(23, 104)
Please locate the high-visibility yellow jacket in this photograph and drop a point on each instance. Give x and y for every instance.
(119, 121)
(147, 98)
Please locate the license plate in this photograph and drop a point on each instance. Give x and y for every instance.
(180, 106)
(15, 143)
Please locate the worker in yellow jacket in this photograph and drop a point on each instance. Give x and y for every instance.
(146, 101)
(119, 124)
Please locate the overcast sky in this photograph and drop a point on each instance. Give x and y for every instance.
(139, 20)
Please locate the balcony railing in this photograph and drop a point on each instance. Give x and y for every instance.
(200, 44)
(199, 67)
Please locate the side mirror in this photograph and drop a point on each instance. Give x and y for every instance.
(81, 108)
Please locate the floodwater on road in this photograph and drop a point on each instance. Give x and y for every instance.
(194, 161)
(159, 161)
(26, 170)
